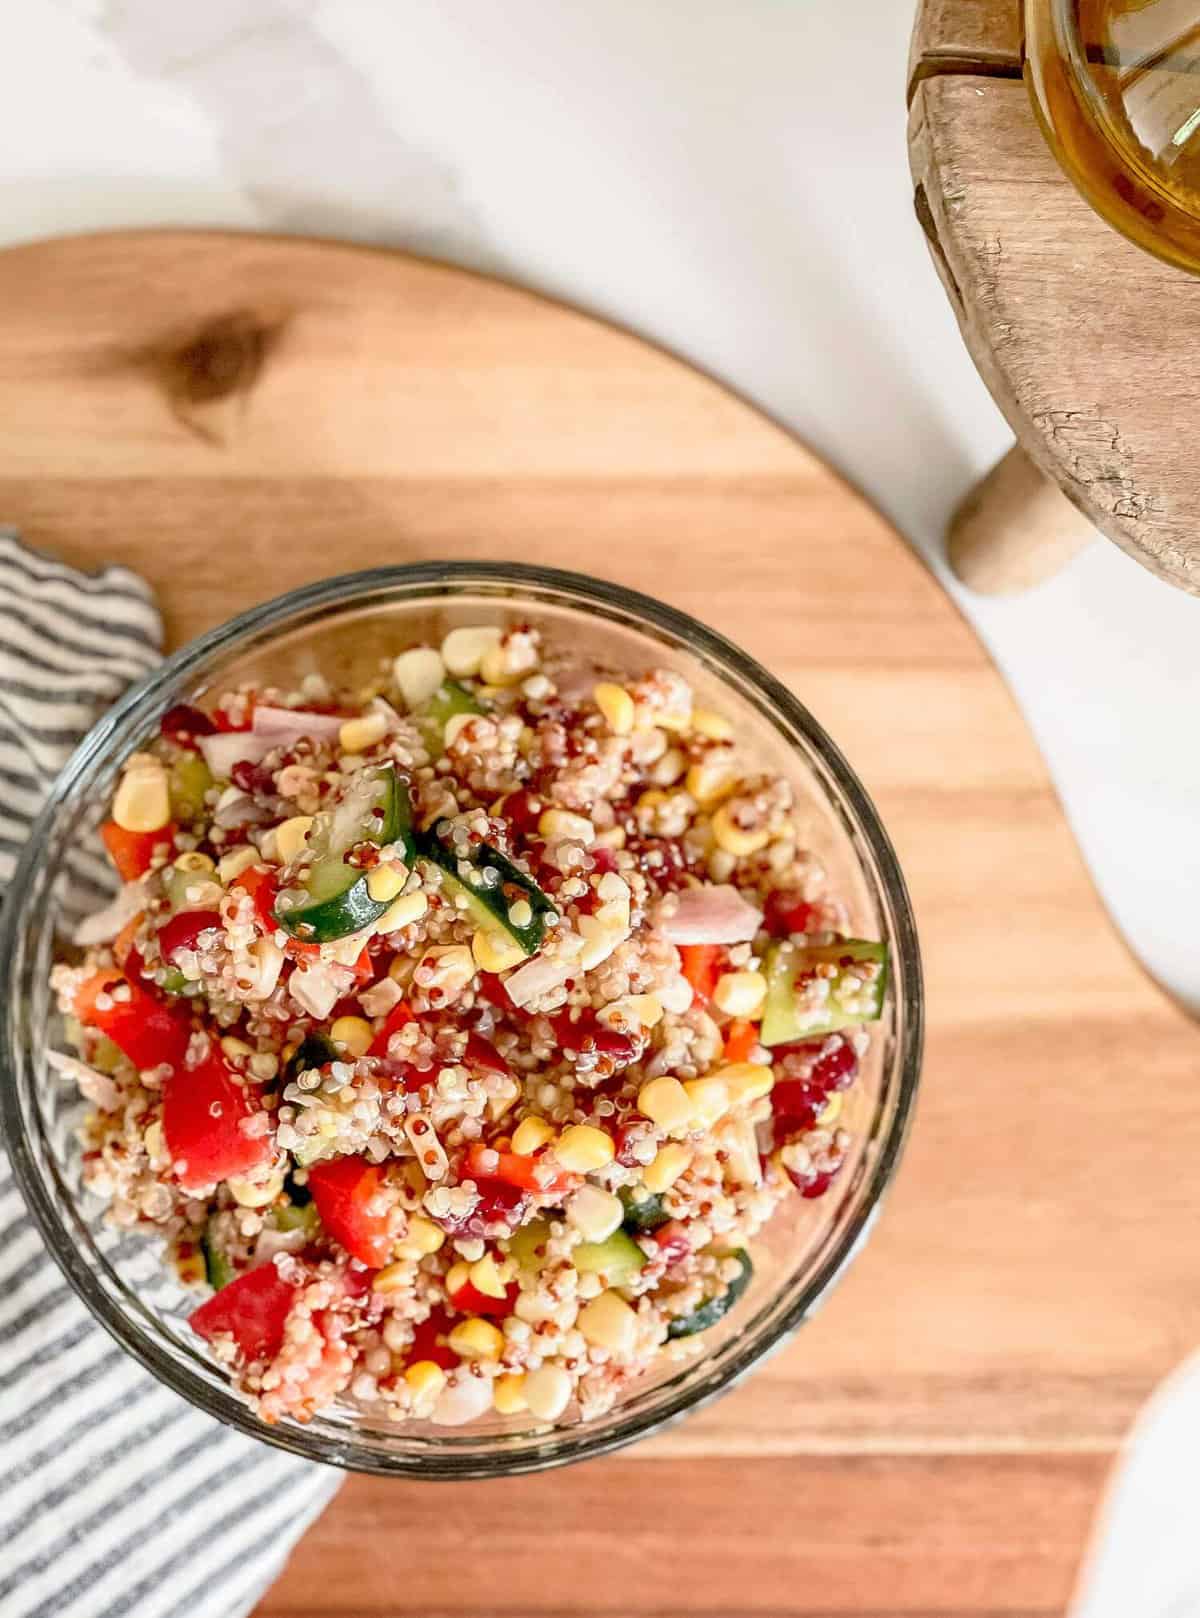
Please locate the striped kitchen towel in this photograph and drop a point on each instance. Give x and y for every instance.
(117, 1498)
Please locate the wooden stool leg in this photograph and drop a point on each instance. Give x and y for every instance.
(1014, 529)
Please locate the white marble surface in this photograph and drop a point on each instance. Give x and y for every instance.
(726, 175)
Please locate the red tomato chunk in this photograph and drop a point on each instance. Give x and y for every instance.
(253, 1310)
(343, 1190)
(204, 1110)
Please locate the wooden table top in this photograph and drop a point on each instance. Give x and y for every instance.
(1084, 340)
(235, 415)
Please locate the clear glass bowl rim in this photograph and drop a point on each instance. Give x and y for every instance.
(134, 714)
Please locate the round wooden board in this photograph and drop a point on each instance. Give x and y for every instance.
(1029, 1279)
(1083, 339)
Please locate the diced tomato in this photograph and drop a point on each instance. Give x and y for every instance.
(499, 1204)
(429, 1341)
(253, 1310)
(701, 966)
(673, 1241)
(586, 1035)
(182, 931)
(528, 1173)
(182, 723)
(343, 1189)
(204, 1109)
(786, 912)
(138, 1023)
(263, 887)
(395, 1020)
(470, 1301)
(740, 1039)
(522, 810)
(482, 1053)
(122, 945)
(132, 852)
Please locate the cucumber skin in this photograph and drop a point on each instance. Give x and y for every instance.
(489, 906)
(716, 1308)
(782, 1023)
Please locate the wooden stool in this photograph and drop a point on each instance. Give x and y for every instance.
(1085, 341)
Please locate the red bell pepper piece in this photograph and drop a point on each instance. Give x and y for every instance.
(132, 852)
(396, 1018)
(470, 1301)
(701, 966)
(786, 912)
(204, 1109)
(253, 1310)
(122, 945)
(148, 1031)
(343, 1189)
(740, 1039)
(182, 931)
(429, 1341)
(263, 888)
(527, 1173)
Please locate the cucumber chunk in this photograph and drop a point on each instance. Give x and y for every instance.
(714, 1309)
(217, 1267)
(489, 884)
(616, 1258)
(449, 699)
(643, 1216)
(334, 899)
(805, 998)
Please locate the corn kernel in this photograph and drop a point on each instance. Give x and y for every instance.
(830, 1112)
(669, 1163)
(143, 800)
(256, 1194)
(195, 864)
(708, 1100)
(236, 1049)
(420, 1239)
(454, 726)
(712, 725)
(581, 1148)
(746, 1081)
(709, 782)
(530, 1135)
(508, 1395)
(402, 912)
(735, 839)
(495, 951)
(614, 837)
(385, 883)
(463, 649)
(499, 1100)
(291, 838)
(457, 1276)
(608, 1322)
(477, 1339)
(547, 1392)
(418, 673)
(665, 1102)
(392, 1278)
(355, 1033)
(356, 735)
(425, 1379)
(490, 1278)
(740, 994)
(617, 707)
(555, 824)
(235, 862)
(669, 768)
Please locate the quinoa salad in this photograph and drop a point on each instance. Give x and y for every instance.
(458, 1034)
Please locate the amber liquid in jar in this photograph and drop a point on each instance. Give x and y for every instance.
(1116, 85)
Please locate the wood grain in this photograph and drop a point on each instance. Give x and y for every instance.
(965, 36)
(936, 1539)
(1021, 1293)
(1083, 339)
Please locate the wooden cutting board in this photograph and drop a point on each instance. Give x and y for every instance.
(233, 416)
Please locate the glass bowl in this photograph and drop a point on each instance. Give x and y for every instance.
(343, 626)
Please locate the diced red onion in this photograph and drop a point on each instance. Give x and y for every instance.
(711, 915)
(227, 748)
(464, 1398)
(284, 725)
(537, 977)
(97, 1087)
(315, 989)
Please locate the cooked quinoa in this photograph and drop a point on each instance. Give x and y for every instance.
(461, 1033)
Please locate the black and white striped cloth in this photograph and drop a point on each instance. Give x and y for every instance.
(117, 1498)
